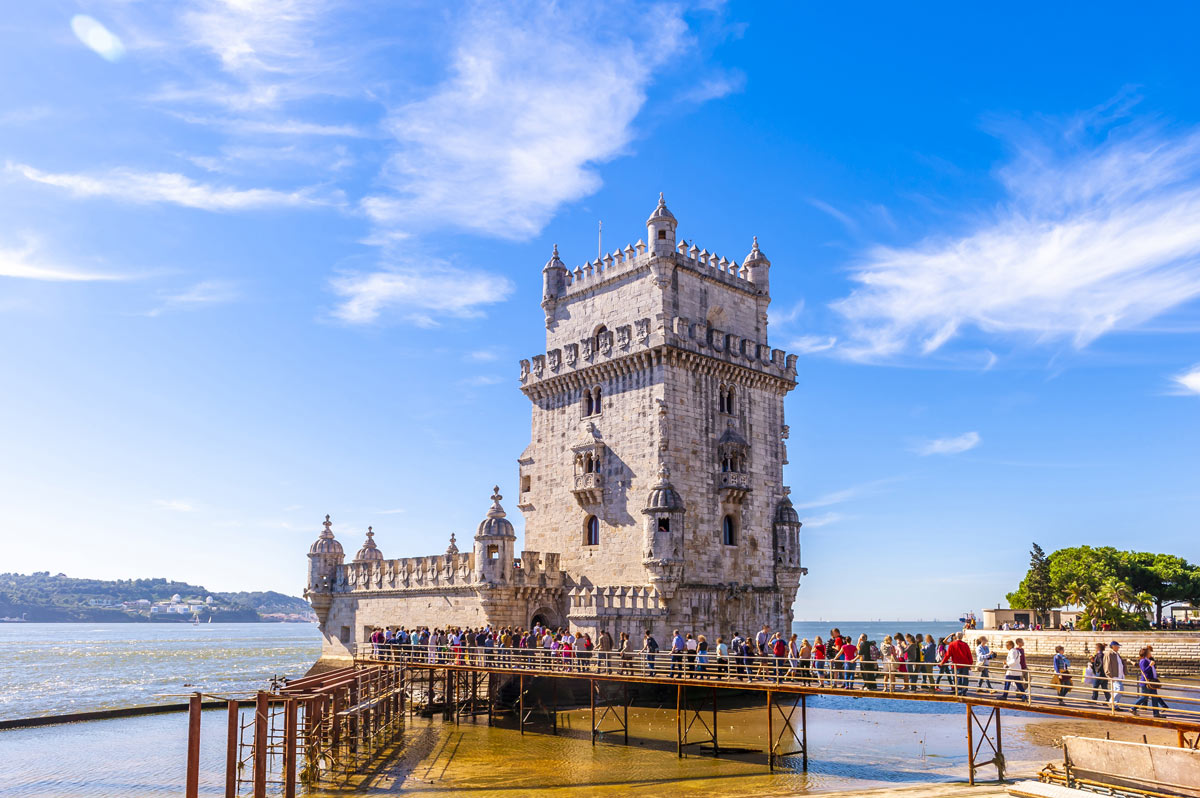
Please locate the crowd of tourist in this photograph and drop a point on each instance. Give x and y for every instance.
(903, 662)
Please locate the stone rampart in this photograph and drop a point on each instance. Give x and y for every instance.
(1176, 653)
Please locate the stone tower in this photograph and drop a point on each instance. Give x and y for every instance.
(656, 459)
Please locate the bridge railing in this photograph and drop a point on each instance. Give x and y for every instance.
(1035, 684)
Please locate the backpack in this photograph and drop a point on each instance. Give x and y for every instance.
(874, 651)
(652, 645)
(780, 648)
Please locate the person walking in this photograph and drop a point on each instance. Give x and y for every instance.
(678, 647)
(793, 655)
(806, 651)
(1114, 668)
(958, 658)
(701, 654)
(650, 651)
(890, 656)
(722, 658)
(1062, 673)
(818, 661)
(1014, 674)
(1148, 682)
(984, 656)
(604, 647)
(624, 655)
(930, 655)
(849, 658)
(1099, 677)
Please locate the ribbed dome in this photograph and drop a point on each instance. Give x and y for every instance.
(732, 436)
(369, 551)
(325, 543)
(495, 525)
(785, 513)
(554, 262)
(756, 256)
(662, 497)
(661, 211)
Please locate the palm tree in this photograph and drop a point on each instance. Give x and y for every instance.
(1141, 602)
(1116, 592)
(1078, 595)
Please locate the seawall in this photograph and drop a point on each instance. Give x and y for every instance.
(1176, 653)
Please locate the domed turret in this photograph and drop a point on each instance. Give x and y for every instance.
(325, 542)
(662, 497)
(496, 524)
(494, 544)
(324, 557)
(369, 551)
(758, 268)
(662, 554)
(554, 284)
(660, 229)
(785, 513)
(787, 535)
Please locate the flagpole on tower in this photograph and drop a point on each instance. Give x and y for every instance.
(599, 239)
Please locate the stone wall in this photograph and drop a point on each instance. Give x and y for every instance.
(1176, 653)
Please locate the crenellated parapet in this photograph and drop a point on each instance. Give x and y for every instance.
(589, 602)
(535, 569)
(408, 573)
(636, 346)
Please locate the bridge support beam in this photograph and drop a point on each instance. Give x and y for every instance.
(1192, 742)
(980, 733)
(789, 736)
(695, 713)
(609, 703)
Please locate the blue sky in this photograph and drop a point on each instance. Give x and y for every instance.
(263, 261)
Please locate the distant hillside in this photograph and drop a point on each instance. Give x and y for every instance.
(42, 597)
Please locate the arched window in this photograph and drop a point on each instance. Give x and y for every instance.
(589, 406)
(596, 400)
(591, 531)
(728, 531)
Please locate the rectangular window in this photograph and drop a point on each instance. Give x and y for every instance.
(345, 634)
(493, 552)
(526, 483)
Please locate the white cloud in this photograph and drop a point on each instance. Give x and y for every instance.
(483, 356)
(1090, 238)
(715, 87)
(205, 292)
(1188, 382)
(26, 264)
(825, 519)
(534, 100)
(175, 505)
(98, 38)
(843, 495)
(147, 187)
(956, 445)
(482, 380)
(420, 295)
(808, 344)
(275, 127)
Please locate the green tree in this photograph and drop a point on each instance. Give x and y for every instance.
(1039, 590)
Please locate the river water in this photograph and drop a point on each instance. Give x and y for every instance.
(53, 668)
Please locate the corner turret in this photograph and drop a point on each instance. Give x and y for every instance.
(660, 229)
(495, 544)
(554, 284)
(324, 557)
(758, 269)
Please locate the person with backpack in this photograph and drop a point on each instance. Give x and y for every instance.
(1148, 683)
(779, 655)
(650, 650)
(737, 662)
(1062, 673)
(1099, 679)
(868, 656)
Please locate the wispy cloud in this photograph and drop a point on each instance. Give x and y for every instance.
(483, 356)
(824, 519)
(98, 38)
(844, 495)
(809, 344)
(27, 264)
(275, 127)
(175, 505)
(481, 380)
(517, 127)
(841, 217)
(955, 445)
(1188, 382)
(715, 87)
(419, 294)
(1095, 234)
(205, 292)
(166, 187)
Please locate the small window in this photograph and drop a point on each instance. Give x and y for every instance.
(345, 634)
(662, 235)
(728, 531)
(591, 402)
(664, 525)
(725, 402)
(526, 483)
(591, 531)
(493, 552)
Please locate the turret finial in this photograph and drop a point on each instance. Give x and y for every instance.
(496, 511)
(661, 201)
(327, 532)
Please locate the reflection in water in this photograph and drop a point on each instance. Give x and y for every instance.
(850, 748)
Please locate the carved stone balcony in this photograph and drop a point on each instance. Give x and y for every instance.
(733, 486)
(589, 489)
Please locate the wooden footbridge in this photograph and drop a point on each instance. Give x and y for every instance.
(331, 726)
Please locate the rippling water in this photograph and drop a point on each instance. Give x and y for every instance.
(57, 668)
